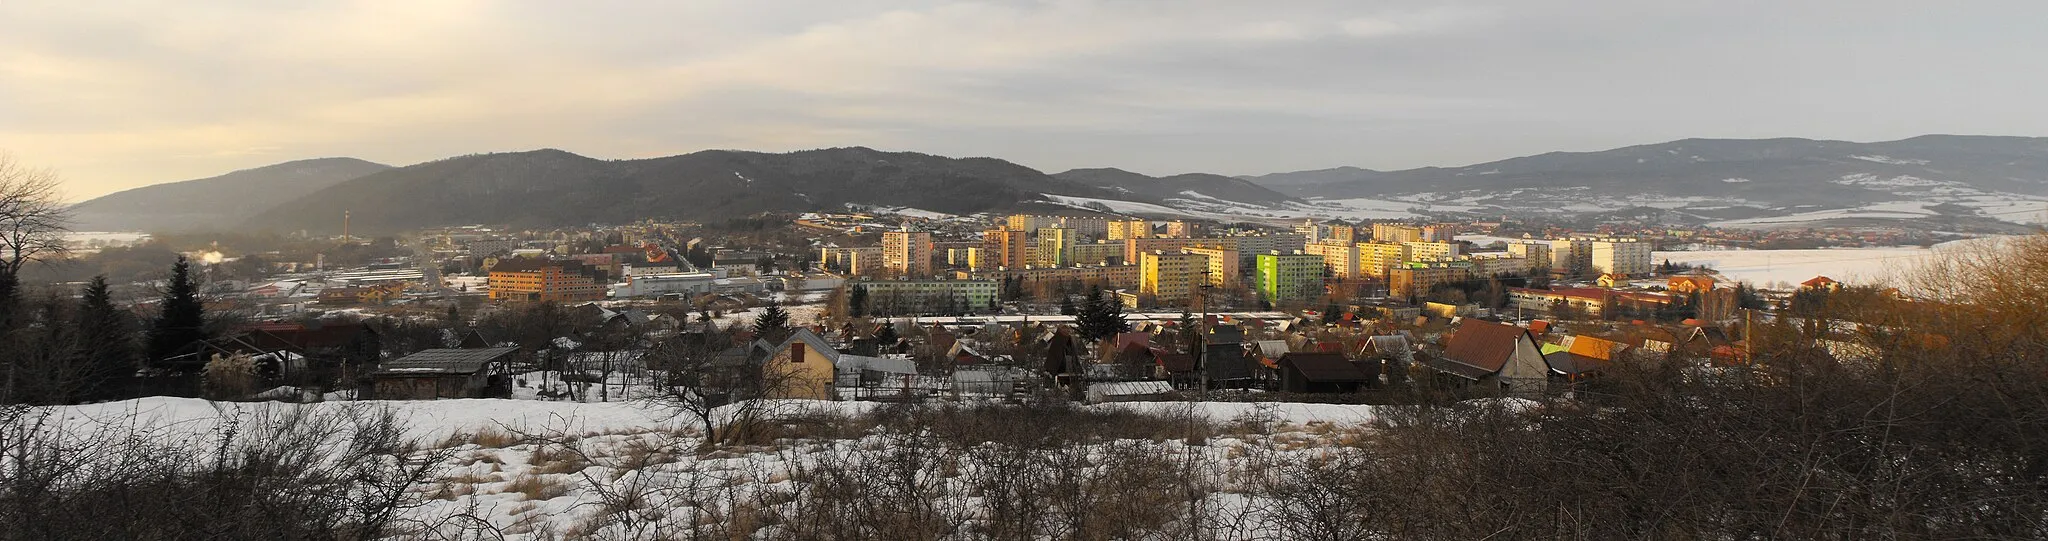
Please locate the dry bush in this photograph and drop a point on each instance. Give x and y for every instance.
(494, 438)
(276, 473)
(536, 487)
(557, 458)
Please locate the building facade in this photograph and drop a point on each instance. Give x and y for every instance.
(527, 279)
(1288, 277)
(907, 252)
(1396, 233)
(1005, 248)
(1571, 257)
(1537, 252)
(904, 297)
(1628, 257)
(1223, 270)
(1415, 279)
(1431, 251)
(1129, 229)
(1053, 248)
(1374, 258)
(1170, 277)
(1341, 258)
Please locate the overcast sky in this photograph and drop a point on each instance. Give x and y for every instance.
(116, 95)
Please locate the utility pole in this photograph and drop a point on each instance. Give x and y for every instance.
(1200, 345)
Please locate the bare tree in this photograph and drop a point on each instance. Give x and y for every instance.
(725, 389)
(33, 217)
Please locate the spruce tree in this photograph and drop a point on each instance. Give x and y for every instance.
(1190, 332)
(182, 320)
(857, 301)
(773, 325)
(1101, 318)
(10, 300)
(106, 339)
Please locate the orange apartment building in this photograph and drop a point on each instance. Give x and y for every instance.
(523, 279)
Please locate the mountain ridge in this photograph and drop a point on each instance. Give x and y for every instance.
(552, 187)
(217, 201)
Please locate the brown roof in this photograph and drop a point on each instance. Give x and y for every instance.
(1484, 344)
(1452, 367)
(1572, 364)
(1325, 367)
(1177, 363)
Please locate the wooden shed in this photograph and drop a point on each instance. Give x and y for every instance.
(445, 373)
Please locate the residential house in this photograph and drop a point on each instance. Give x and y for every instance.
(1302, 372)
(445, 373)
(802, 367)
(1493, 355)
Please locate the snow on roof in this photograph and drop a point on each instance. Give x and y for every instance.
(857, 363)
(1130, 388)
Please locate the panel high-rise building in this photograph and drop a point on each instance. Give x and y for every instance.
(1171, 277)
(907, 252)
(1054, 247)
(1288, 277)
(1005, 248)
(1628, 257)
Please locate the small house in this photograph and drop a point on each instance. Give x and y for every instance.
(1492, 354)
(1302, 372)
(446, 373)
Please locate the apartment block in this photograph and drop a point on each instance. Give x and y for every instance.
(1374, 258)
(1053, 245)
(1108, 276)
(1341, 258)
(1223, 270)
(907, 252)
(1129, 229)
(1537, 252)
(1396, 233)
(1571, 257)
(1097, 253)
(1170, 277)
(1005, 248)
(859, 260)
(527, 279)
(1431, 251)
(1629, 257)
(913, 296)
(1288, 277)
(1415, 279)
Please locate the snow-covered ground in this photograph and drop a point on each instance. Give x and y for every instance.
(1896, 209)
(913, 213)
(497, 471)
(1766, 268)
(802, 314)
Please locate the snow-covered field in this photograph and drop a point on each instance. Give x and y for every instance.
(1897, 209)
(1766, 268)
(539, 470)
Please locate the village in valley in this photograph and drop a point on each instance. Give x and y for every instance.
(910, 306)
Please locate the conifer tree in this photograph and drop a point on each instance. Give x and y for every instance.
(182, 320)
(106, 338)
(1100, 318)
(773, 325)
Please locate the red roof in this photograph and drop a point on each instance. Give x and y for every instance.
(1484, 344)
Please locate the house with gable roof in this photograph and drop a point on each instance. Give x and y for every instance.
(1493, 355)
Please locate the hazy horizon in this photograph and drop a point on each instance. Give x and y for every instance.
(116, 97)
